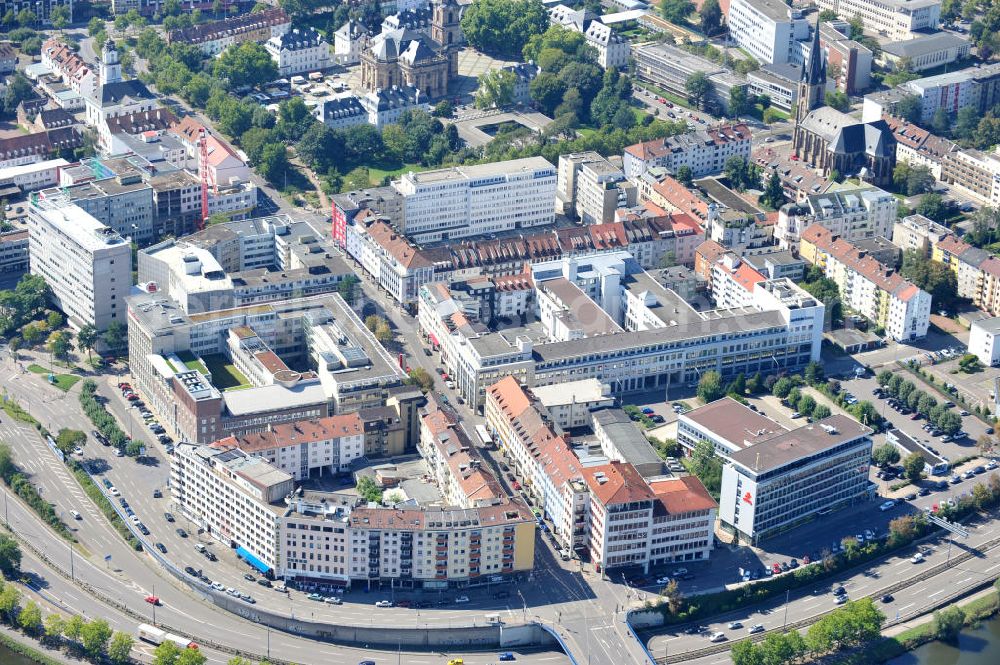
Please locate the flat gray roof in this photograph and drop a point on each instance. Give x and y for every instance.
(924, 44)
(631, 443)
(798, 444)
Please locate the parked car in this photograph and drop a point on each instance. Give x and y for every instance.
(383, 603)
(317, 597)
(161, 547)
(182, 533)
(168, 517)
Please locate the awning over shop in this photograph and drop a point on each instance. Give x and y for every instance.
(242, 553)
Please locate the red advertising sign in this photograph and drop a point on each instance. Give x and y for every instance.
(748, 499)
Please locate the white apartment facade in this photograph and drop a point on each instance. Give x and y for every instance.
(851, 214)
(87, 265)
(298, 51)
(896, 19)
(767, 29)
(613, 50)
(306, 448)
(984, 341)
(476, 200)
(704, 151)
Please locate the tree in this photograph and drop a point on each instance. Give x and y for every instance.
(745, 652)
(933, 207)
(941, 122)
(782, 387)
(383, 333)
(913, 466)
(684, 175)
(885, 454)
(418, 376)
(54, 625)
(710, 387)
(59, 16)
(95, 634)
(949, 422)
(95, 26)
(10, 599)
(813, 373)
(838, 100)
(443, 109)
(369, 490)
(821, 411)
(827, 15)
(912, 180)
(60, 344)
(86, 338)
(115, 336)
(274, 164)
(676, 11)
(933, 277)
(30, 618)
(774, 194)
(967, 122)
(780, 648)
(496, 89)
(739, 102)
(245, 64)
(166, 653)
(18, 89)
(26, 18)
(926, 403)
(711, 16)
(857, 26)
(948, 623)
(73, 627)
(10, 552)
(865, 412)
(806, 404)
(884, 377)
(910, 108)
(347, 287)
(674, 597)
(697, 85)
(503, 27)
(68, 439)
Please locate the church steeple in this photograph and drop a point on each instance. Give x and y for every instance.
(813, 79)
(111, 68)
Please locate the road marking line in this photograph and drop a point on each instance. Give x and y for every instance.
(940, 591)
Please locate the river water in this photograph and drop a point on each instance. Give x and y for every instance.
(975, 647)
(8, 657)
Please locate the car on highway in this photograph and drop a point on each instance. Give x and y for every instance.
(840, 600)
(887, 598)
(366, 662)
(190, 571)
(233, 592)
(161, 547)
(718, 637)
(756, 628)
(264, 582)
(663, 580)
(840, 591)
(733, 625)
(218, 586)
(887, 505)
(462, 599)
(917, 558)
(506, 656)
(383, 603)
(153, 600)
(315, 596)
(249, 578)
(182, 533)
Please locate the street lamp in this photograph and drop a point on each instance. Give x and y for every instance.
(524, 605)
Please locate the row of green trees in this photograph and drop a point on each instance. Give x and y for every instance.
(904, 390)
(853, 625)
(788, 388)
(104, 422)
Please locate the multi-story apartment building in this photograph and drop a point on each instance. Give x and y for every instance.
(984, 341)
(733, 281)
(977, 271)
(846, 57)
(476, 200)
(42, 9)
(669, 67)
(348, 41)
(666, 341)
(868, 287)
(214, 37)
(793, 476)
(298, 51)
(87, 265)
(918, 147)
(393, 263)
(704, 151)
(609, 509)
(767, 29)
(973, 172)
(592, 188)
(72, 69)
(570, 404)
(851, 214)
(977, 87)
(306, 448)
(918, 233)
(896, 19)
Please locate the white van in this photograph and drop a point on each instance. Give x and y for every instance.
(199, 547)
(76, 515)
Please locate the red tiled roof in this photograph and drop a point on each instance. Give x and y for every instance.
(301, 431)
(682, 495)
(883, 277)
(617, 483)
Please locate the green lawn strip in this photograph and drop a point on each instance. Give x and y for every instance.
(62, 381)
(192, 362)
(224, 373)
(37, 369)
(97, 496)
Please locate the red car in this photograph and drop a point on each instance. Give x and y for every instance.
(775, 568)
(153, 600)
(516, 485)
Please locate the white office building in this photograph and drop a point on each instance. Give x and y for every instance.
(87, 265)
(896, 19)
(468, 201)
(794, 476)
(704, 151)
(767, 29)
(854, 215)
(31, 177)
